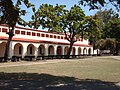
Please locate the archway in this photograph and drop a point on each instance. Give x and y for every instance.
(66, 50)
(41, 50)
(18, 49)
(59, 50)
(31, 50)
(50, 50)
(73, 51)
(2, 49)
(89, 51)
(79, 51)
(84, 51)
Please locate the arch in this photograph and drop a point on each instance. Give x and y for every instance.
(66, 50)
(30, 50)
(84, 51)
(79, 51)
(2, 49)
(98, 52)
(18, 49)
(59, 50)
(73, 51)
(89, 51)
(41, 50)
(50, 50)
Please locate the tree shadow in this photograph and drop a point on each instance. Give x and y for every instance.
(35, 81)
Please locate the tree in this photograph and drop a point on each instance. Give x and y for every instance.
(113, 30)
(10, 14)
(104, 17)
(58, 19)
(93, 29)
(73, 25)
(106, 44)
(96, 4)
(35, 22)
(49, 16)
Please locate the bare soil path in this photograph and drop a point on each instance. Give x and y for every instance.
(25, 63)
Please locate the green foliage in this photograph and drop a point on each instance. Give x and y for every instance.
(73, 23)
(113, 29)
(10, 13)
(110, 29)
(48, 16)
(93, 29)
(96, 4)
(106, 44)
(104, 17)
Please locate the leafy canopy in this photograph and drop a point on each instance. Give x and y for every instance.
(10, 13)
(96, 4)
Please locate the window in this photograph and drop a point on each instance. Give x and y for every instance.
(51, 36)
(54, 36)
(0, 29)
(23, 32)
(58, 37)
(47, 35)
(38, 34)
(61, 37)
(28, 33)
(30, 50)
(33, 34)
(20, 50)
(17, 31)
(43, 35)
(4, 30)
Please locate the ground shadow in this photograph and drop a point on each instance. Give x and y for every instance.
(34, 81)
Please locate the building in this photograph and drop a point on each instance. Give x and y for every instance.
(30, 42)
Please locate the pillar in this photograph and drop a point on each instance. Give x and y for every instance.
(46, 50)
(63, 48)
(24, 50)
(76, 50)
(55, 49)
(11, 50)
(36, 52)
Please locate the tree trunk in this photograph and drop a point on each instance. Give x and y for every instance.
(69, 51)
(7, 49)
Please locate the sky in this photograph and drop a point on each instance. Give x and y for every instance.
(68, 3)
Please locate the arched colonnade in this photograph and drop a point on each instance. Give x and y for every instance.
(37, 49)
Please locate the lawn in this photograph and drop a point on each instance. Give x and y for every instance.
(78, 74)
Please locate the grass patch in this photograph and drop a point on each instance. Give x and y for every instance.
(106, 69)
(99, 72)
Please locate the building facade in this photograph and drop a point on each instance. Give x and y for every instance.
(30, 42)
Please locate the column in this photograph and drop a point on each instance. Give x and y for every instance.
(82, 50)
(11, 50)
(76, 50)
(36, 52)
(36, 49)
(24, 50)
(46, 49)
(55, 49)
(63, 47)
